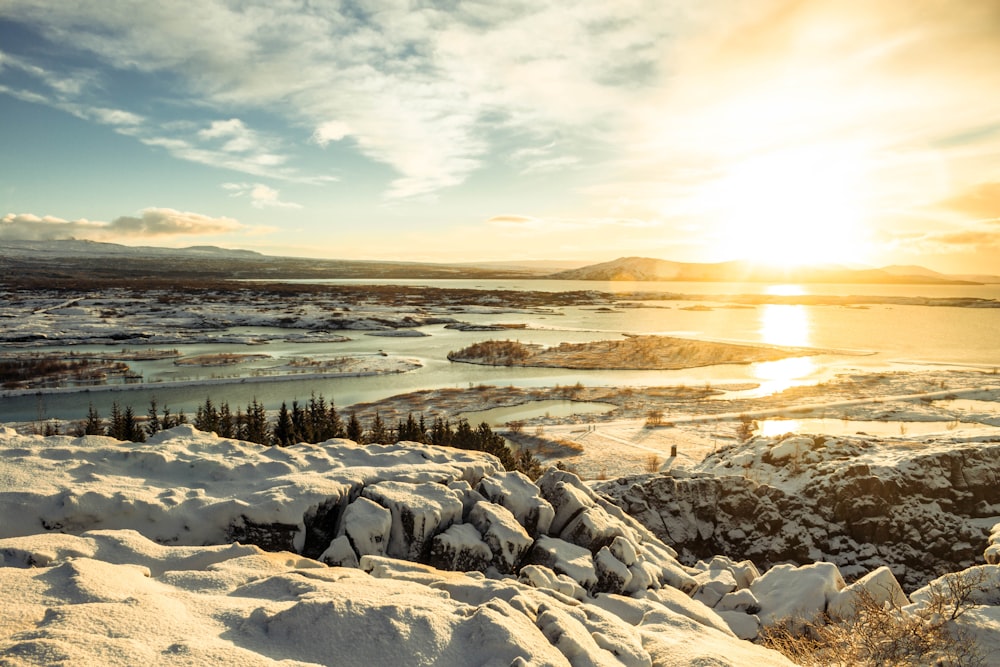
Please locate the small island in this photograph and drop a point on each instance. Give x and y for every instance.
(631, 353)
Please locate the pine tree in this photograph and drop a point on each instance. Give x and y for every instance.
(94, 424)
(226, 427)
(354, 431)
(206, 417)
(301, 426)
(377, 432)
(115, 423)
(336, 425)
(257, 429)
(283, 428)
(240, 432)
(153, 423)
(131, 430)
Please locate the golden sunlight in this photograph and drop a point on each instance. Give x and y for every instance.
(793, 207)
(778, 376)
(784, 325)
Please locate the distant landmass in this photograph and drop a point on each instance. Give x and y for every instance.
(649, 269)
(38, 263)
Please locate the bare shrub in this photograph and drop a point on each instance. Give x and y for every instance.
(883, 634)
(652, 463)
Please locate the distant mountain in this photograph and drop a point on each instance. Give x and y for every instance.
(74, 248)
(645, 268)
(40, 264)
(912, 270)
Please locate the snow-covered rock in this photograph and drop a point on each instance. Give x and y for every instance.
(460, 548)
(564, 558)
(520, 495)
(367, 526)
(879, 585)
(346, 505)
(917, 505)
(507, 539)
(796, 595)
(419, 512)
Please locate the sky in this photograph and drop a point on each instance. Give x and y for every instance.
(847, 131)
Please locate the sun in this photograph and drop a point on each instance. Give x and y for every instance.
(792, 207)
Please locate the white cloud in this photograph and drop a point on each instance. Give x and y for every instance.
(331, 130)
(421, 90)
(657, 90)
(151, 223)
(261, 196)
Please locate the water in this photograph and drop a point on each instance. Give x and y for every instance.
(877, 337)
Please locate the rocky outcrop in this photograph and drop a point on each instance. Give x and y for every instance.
(857, 502)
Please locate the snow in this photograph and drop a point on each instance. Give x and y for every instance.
(796, 594)
(115, 553)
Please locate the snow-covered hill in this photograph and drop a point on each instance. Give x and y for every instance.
(118, 553)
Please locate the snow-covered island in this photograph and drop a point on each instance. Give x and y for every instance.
(193, 549)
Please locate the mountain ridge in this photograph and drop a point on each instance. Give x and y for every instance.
(651, 269)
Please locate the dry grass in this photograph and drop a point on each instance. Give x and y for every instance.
(632, 353)
(883, 634)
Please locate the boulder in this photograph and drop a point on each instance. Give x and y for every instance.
(612, 574)
(419, 512)
(517, 493)
(507, 539)
(564, 558)
(367, 525)
(796, 595)
(460, 548)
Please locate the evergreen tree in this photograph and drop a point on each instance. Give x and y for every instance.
(354, 431)
(283, 428)
(410, 430)
(226, 427)
(302, 430)
(377, 432)
(94, 424)
(153, 423)
(335, 424)
(441, 432)
(465, 437)
(492, 443)
(240, 432)
(131, 430)
(168, 420)
(256, 428)
(115, 423)
(206, 417)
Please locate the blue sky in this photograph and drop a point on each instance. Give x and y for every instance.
(820, 130)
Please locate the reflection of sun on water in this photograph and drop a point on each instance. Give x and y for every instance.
(774, 427)
(785, 325)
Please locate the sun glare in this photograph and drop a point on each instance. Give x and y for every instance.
(793, 207)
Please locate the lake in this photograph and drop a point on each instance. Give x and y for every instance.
(876, 337)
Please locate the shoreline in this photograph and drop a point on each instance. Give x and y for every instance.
(409, 366)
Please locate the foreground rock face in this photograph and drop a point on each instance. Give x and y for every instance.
(861, 503)
(551, 572)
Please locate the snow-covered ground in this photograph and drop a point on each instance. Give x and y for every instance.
(117, 553)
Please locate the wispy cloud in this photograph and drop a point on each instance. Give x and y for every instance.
(420, 90)
(150, 223)
(260, 195)
(980, 201)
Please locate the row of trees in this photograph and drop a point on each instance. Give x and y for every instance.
(313, 422)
